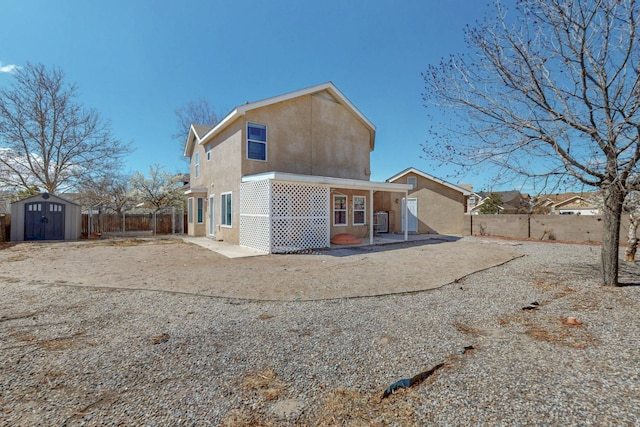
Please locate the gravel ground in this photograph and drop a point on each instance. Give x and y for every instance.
(94, 356)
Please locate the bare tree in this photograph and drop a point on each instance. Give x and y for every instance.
(159, 189)
(550, 92)
(112, 192)
(199, 112)
(47, 139)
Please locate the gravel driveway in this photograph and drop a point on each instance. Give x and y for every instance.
(85, 355)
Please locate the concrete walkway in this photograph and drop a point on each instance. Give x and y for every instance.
(235, 251)
(224, 248)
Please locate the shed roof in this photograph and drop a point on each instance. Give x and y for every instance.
(47, 197)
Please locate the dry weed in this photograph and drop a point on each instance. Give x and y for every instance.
(468, 330)
(558, 333)
(265, 316)
(249, 418)
(265, 382)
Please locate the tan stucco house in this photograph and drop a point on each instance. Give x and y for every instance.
(285, 173)
(432, 205)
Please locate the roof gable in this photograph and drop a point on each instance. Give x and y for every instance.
(196, 132)
(425, 175)
(47, 197)
(327, 90)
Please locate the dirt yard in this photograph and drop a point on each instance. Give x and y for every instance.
(172, 265)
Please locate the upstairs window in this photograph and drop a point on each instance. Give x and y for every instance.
(196, 165)
(412, 181)
(208, 153)
(256, 141)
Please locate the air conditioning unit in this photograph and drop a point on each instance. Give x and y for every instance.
(381, 224)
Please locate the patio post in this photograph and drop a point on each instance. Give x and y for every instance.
(406, 215)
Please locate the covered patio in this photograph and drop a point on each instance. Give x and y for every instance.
(284, 212)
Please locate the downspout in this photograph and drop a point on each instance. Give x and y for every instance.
(371, 217)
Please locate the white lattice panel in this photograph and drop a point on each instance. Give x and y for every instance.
(254, 197)
(299, 217)
(284, 217)
(254, 215)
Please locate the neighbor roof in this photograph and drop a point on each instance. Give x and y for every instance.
(462, 190)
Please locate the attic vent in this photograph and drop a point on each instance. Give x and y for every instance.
(326, 96)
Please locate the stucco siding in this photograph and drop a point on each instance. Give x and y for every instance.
(440, 208)
(311, 135)
(224, 174)
(340, 142)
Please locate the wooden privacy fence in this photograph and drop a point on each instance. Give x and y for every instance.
(165, 221)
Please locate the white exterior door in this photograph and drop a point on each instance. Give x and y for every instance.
(412, 212)
(212, 215)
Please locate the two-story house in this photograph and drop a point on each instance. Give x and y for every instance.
(285, 173)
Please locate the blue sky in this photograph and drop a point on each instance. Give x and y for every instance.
(136, 61)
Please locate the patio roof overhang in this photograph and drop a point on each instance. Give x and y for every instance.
(196, 190)
(355, 184)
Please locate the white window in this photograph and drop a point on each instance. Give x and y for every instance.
(359, 210)
(208, 152)
(256, 141)
(226, 206)
(200, 210)
(412, 181)
(339, 210)
(196, 165)
(190, 210)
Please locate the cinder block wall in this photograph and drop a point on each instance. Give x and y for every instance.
(572, 228)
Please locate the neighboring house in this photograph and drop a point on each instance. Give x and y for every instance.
(45, 217)
(434, 205)
(477, 207)
(567, 204)
(285, 173)
(513, 202)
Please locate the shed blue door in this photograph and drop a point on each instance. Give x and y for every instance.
(43, 221)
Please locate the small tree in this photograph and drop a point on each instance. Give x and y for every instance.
(110, 191)
(193, 112)
(159, 189)
(47, 139)
(492, 205)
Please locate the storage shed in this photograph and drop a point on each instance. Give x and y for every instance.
(45, 217)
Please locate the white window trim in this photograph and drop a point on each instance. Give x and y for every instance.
(266, 145)
(190, 210)
(364, 210)
(200, 210)
(208, 150)
(223, 205)
(346, 211)
(196, 165)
